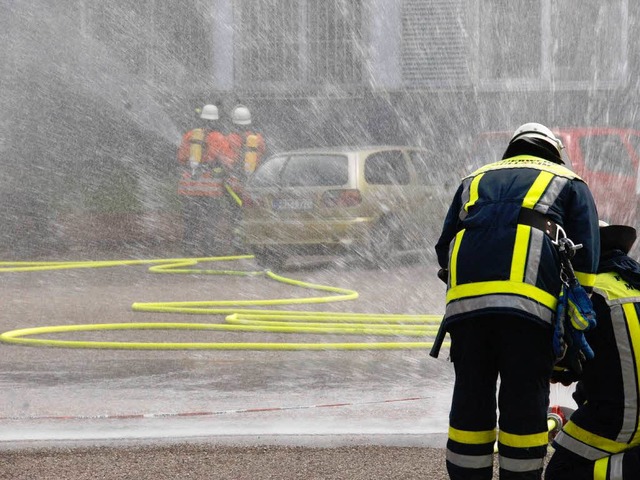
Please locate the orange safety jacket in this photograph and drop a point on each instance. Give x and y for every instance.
(203, 156)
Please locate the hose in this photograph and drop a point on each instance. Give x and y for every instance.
(237, 318)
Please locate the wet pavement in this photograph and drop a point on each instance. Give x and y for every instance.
(396, 397)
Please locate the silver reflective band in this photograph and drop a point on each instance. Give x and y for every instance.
(470, 461)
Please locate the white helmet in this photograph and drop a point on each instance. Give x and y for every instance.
(537, 130)
(209, 112)
(241, 115)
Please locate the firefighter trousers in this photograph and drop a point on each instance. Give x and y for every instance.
(566, 465)
(519, 352)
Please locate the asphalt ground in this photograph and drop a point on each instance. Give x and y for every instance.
(94, 413)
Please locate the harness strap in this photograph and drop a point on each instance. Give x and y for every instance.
(539, 221)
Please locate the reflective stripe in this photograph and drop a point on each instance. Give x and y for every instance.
(523, 441)
(551, 194)
(535, 254)
(519, 257)
(537, 189)
(500, 301)
(472, 438)
(453, 268)
(579, 448)
(527, 161)
(470, 461)
(502, 287)
(600, 469)
(464, 197)
(593, 440)
(521, 464)
(627, 331)
(615, 468)
(206, 188)
(586, 279)
(473, 192)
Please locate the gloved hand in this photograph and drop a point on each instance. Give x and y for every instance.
(443, 274)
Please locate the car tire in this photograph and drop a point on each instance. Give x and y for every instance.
(269, 258)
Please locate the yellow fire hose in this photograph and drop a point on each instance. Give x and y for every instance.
(237, 317)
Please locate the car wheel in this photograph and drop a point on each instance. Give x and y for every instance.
(269, 258)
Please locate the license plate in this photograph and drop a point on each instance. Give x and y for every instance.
(292, 204)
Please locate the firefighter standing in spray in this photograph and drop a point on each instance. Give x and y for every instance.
(200, 187)
(247, 148)
(601, 441)
(502, 269)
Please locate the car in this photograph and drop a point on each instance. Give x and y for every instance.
(372, 201)
(606, 158)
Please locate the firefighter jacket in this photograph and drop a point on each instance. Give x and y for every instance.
(609, 421)
(499, 263)
(203, 155)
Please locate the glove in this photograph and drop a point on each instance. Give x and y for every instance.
(443, 274)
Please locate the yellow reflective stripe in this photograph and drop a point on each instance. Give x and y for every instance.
(594, 440)
(523, 441)
(502, 286)
(586, 279)
(520, 249)
(453, 267)
(473, 192)
(633, 324)
(537, 189)
(528, 161)
(472, 438)
(600, 469)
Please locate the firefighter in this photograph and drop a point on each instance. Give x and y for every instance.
(201, 156)
(601, 441)
(498, 257)
(247, 148)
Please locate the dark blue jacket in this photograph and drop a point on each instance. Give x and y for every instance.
(497, 265)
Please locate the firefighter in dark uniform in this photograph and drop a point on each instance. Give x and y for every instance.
(497, 254)
(601, 441)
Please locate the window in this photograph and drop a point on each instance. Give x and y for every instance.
(315, 171)
(567, 43)
(606, 154)
(510, 39)
(267, 174)
(295, 44)
(386, 168)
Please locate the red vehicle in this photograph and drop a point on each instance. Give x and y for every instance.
(606, 158)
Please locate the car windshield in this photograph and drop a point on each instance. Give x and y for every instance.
(315, 171)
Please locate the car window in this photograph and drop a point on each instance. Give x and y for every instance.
(267, 174)
(386, 168)
(315, 171)
(606, 154)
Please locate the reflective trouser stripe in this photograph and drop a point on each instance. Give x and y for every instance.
(523, 441)
(470, 461)
(521, 464)
(473, 438)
